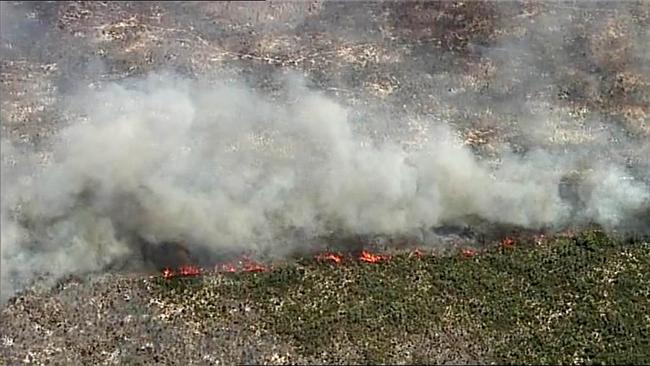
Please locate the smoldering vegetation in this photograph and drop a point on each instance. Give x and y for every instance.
(284, 127)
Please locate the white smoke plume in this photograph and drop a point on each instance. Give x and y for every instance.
(224, 167)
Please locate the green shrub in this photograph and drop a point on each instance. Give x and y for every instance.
(568, 300)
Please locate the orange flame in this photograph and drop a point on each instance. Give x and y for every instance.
(251, 266)
(244, 265)
(507, 243)
(331, 257)
(467, 252)
(228, 267)
(183, 271)
(167, 273)
(368, 257)
(189, 271)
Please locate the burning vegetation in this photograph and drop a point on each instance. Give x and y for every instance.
(245, 264)
(441, 308)
(248, 265)
(184, 271)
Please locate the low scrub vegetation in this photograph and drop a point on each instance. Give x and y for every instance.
(582, 299)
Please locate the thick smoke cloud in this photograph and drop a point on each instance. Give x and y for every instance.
(223, 167)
